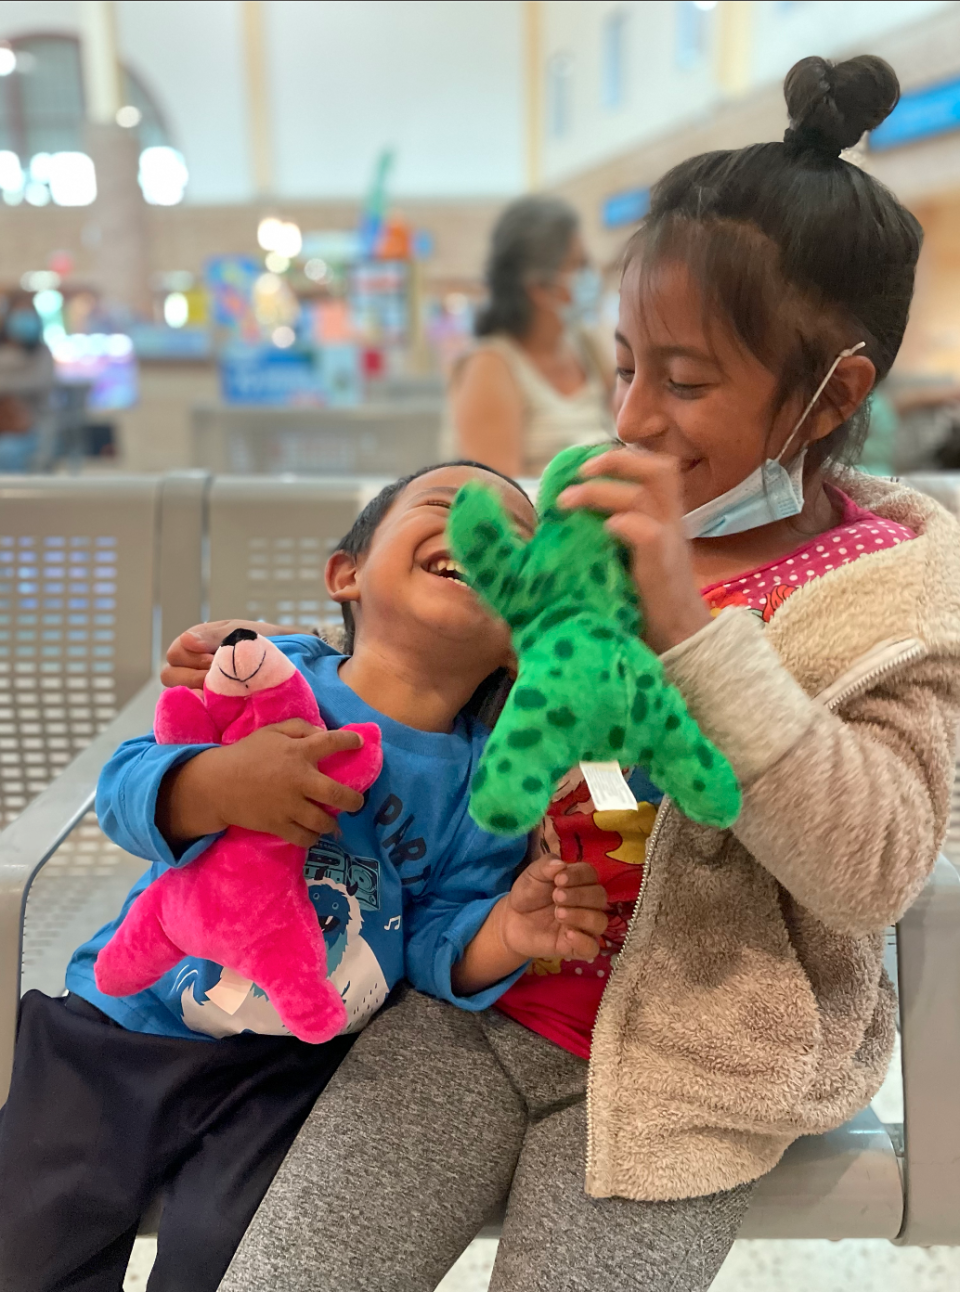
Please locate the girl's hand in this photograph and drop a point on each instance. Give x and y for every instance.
(641, 491)
(191, 654)
(267, 782)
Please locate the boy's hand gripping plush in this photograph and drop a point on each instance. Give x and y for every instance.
(588, 688)
(244, 903)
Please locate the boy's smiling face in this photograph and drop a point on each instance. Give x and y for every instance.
(405, 587)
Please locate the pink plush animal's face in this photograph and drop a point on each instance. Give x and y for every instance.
(246, 663)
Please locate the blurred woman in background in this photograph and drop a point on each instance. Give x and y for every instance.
(27, 378)
(533, 383)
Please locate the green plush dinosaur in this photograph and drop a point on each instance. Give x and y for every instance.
(588, 688)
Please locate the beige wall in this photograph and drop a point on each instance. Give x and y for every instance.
(932, 343)
(925, 176)
(182, 237)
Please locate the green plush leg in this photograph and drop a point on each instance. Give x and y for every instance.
(681, 761)
(483, 541)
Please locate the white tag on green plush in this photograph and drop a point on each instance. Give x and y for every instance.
(608, 787)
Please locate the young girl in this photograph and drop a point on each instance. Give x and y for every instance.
(811, 617)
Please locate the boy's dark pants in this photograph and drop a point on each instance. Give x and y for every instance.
(100, 1119)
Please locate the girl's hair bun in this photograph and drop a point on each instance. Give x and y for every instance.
(831, 104)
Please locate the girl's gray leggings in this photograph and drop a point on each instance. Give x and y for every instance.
(435, 1121)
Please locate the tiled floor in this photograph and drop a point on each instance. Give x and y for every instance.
(751, 1267)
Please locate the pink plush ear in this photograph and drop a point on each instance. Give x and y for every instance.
(358, 768)
(182, 719)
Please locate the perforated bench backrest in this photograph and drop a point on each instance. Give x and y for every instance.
(269, 543)
(77, 563)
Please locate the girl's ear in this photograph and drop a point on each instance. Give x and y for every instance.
(849, 386)
(341, 577)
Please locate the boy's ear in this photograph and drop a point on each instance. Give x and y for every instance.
(341, 578)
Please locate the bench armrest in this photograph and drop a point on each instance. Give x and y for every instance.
(32, 839)
(928, 951)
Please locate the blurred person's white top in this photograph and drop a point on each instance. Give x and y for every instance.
(552, 421)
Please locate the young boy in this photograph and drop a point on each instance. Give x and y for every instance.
(192, 1089)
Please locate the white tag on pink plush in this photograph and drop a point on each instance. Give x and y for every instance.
(230, 992)
(608, 787)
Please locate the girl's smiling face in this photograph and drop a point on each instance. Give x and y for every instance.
(696, 394)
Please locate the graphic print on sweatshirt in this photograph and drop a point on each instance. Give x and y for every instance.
(344, 892)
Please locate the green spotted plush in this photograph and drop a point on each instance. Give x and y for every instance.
(588, 689)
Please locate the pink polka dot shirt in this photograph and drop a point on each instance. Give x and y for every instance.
(859, 533)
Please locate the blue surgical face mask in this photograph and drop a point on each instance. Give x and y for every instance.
(770, 493)
(23, 326)
(584, 287)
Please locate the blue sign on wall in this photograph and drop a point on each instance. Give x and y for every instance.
(265, 375)
(933, 110)
(628, 207)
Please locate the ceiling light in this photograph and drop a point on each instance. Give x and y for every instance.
(163, 175)
(176, 310)
(128, 116)
(282, 236)
(73, 179)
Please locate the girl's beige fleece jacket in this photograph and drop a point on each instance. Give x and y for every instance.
(749, 1003)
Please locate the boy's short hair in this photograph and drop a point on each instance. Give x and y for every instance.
(356, 542)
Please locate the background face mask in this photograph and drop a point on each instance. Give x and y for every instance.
(768, 494)
(584, 287)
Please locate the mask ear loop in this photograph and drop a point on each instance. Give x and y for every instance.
(844, 354)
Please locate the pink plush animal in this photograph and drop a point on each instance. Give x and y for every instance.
(244, 903)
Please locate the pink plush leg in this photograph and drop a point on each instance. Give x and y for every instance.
(290, 965)
(139, 953)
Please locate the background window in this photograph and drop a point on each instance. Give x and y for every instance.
(42, 106)
(613, 56)
(559, 95)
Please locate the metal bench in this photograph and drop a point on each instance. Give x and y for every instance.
(256, 547)
(83, 595)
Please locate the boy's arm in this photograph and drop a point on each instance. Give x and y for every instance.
(267, 782)
(440, 922)
(169, 802)
(127, 795)
(552, 909)
(470, 935)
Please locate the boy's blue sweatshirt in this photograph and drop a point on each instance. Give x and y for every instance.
(399, 892)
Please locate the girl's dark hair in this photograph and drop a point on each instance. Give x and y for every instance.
(529, 244)
(356, 542)
(801, 252)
